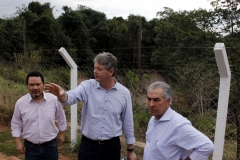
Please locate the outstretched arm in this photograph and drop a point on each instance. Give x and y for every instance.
(57, 91)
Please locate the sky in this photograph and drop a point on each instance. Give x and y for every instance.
(112, 8)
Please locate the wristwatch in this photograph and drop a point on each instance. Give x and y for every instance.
(130, 149)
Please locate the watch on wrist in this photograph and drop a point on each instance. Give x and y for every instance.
(130, 149)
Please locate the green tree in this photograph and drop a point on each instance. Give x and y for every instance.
(180, 40)
(11, 37)
(118, 39)
(74, 27)
(96, 22)
(148, 44)
(41, 31)
(135, 30)
(227, 14)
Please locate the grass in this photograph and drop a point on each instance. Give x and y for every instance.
(8, 146)
(7, 143)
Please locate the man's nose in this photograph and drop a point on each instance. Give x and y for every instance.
(34, 87)
(151, 103)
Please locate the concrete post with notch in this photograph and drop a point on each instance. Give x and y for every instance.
(224, 89)
(73, 85)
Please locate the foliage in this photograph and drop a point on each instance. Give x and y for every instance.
(74, 27)
(7, 144)
(11, 37)
(132, 78)
(182, 41)
(195, 82)
(29, 57)
(141, 118)
(227, 13)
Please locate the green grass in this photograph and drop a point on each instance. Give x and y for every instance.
(7, 143)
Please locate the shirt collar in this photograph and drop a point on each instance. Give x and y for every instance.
(29, 97)
(114, 87)
(166, 116)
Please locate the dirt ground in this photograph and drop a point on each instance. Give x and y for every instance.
(5, 157)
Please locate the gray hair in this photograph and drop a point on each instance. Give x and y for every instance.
(167, 92)
(108, 60)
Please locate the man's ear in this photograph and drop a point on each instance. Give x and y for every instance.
(111, 71)
(168, 100)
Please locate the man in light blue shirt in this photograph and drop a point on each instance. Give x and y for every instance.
(170, 136)
(107, 110)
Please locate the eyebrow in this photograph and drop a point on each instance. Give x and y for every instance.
(153, 98)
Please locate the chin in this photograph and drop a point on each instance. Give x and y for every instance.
(35, 96)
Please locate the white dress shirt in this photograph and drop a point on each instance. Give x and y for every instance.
(36, 121)
(173, 137)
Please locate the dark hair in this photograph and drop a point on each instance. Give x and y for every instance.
(108, 60)
(34, 74)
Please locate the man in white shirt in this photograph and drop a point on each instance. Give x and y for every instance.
(170, 136)
(106, 111)
(34, 120)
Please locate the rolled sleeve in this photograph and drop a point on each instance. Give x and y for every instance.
(197, 156)
(128, 123)
(208, 150)
(16, 133)
(61, 117)
(131, 140)
(16, 123)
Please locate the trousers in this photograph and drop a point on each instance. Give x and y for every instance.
(46, 151)
(99, 150)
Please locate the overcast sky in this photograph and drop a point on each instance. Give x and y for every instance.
(145, 8)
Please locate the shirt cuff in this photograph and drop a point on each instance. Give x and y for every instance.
(130, 140)
(62, 127)
(16, 133)
(197, 156)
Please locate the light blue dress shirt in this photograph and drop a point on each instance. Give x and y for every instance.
(105, 113)
(173, 137)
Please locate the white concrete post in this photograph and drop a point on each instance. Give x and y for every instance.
(224, 89)
(73, 85)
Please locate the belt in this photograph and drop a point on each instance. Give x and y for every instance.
(39, 144)
(99, 141)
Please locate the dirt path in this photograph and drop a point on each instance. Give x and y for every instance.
(4, 157)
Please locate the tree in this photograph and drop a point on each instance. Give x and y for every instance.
(227, 14)
(74, 27)
(135, 29)
(118, 39)
(97, 25)
(41, 31)
(148, 44)
(11, 37)
(178, 35)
